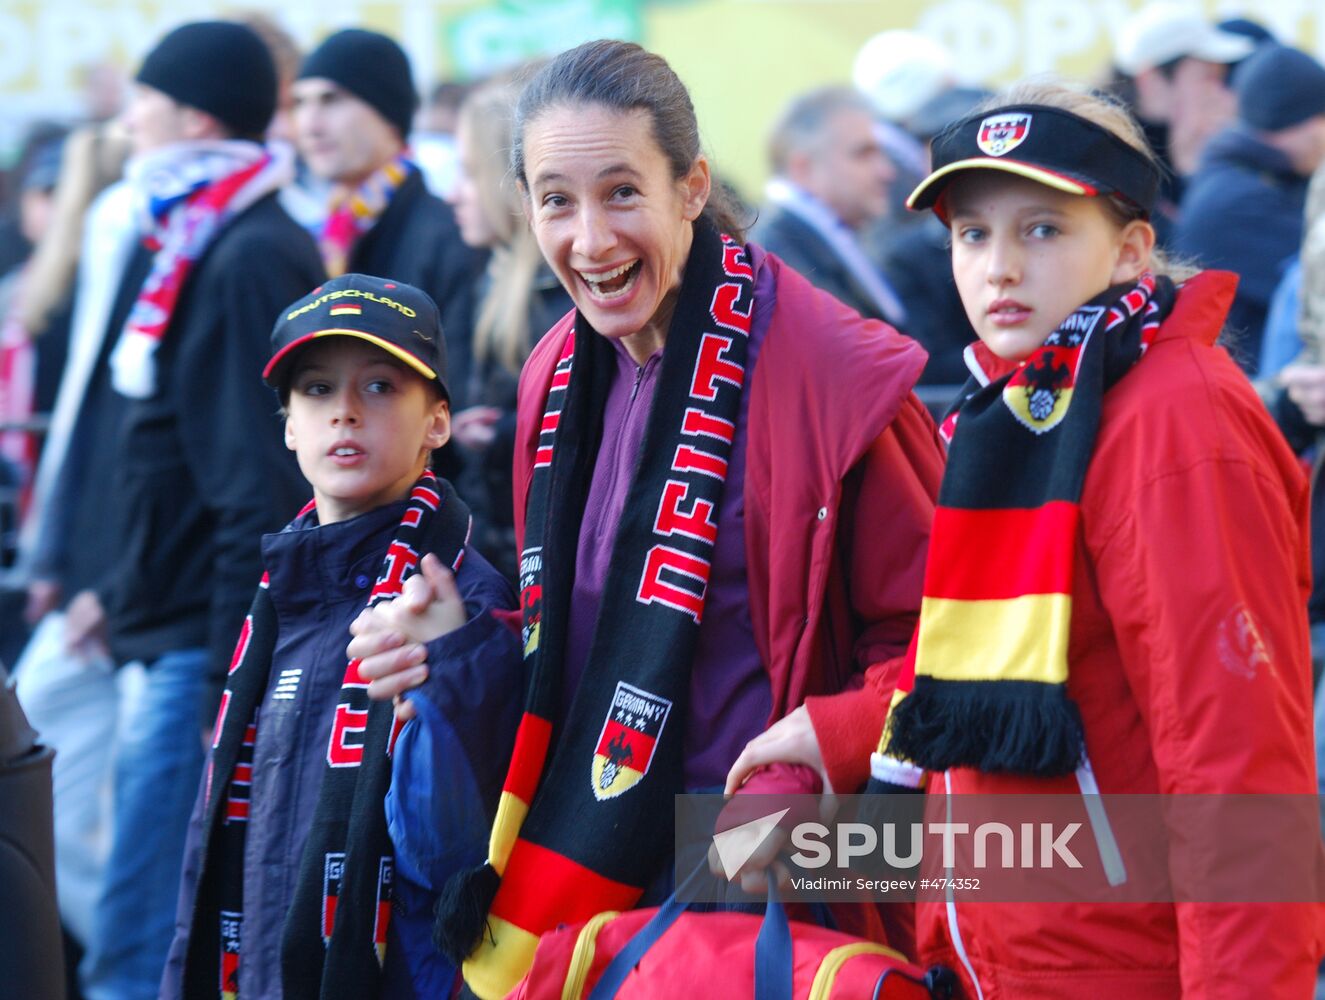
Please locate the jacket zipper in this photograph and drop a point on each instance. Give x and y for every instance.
(639, 377)
(951, 901)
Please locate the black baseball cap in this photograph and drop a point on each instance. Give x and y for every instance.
(398, 318)
(1048, 145)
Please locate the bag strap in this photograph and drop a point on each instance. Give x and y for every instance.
(773, 954)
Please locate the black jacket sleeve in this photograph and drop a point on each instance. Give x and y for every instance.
(228, 417)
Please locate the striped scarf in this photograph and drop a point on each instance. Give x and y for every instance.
(334, 942)
(356, 212)
(985, 685)
(188, 193)
(584, 822)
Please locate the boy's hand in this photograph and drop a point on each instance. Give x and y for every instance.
(389, 637)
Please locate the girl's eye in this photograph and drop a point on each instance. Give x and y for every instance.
(970, 234)
(380, 385)
(625, 191)
(554, 201)
(1044, 231)
(315, 389)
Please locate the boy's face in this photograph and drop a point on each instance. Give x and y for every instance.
(361, 424)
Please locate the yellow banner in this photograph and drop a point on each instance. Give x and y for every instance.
(742, 59)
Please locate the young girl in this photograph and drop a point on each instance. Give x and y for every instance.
(1116, 584)
(520, 300)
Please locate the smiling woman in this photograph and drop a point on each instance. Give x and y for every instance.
(723, 488)
(605, 208)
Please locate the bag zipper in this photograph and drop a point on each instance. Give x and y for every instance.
(822, 987)
(581, 959)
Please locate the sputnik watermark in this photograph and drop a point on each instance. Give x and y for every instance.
(817, 848)
(1067, 848)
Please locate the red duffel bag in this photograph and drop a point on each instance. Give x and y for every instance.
(674, 954)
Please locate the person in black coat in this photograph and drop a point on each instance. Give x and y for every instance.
(831, 179)
(1243, 208)
(200, 471)
(354, 105)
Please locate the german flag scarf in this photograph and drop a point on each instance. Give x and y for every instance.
(335, 933)
(582, 824)
(989, 659)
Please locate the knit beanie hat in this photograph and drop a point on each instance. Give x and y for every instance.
(373, 68)
(220, 67)
(1279, 87)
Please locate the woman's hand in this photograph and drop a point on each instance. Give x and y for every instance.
(790, 740)
(389, 638)
(43, 598)
(475, 426)
(85, 625)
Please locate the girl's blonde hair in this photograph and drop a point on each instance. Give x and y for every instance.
(501, 331)
(93, 157)
(1111, 115)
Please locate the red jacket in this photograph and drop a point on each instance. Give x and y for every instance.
(1194, 536)
(843, 466)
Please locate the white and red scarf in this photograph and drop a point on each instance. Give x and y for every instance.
(187, 193)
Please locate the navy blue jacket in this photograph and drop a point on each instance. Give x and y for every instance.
(469, 709)
(1243, 212)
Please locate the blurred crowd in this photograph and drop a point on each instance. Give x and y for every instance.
(131, 517)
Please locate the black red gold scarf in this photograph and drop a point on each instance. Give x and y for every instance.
(990, 654)
(335, 933)
(581, 825)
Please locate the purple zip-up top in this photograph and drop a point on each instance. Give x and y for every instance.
(730, 697)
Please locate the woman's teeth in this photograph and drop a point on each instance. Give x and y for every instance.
(609, 284)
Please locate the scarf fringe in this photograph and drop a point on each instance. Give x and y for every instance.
(462, 911)
(1019, 727)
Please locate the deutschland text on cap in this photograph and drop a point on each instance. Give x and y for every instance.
(398, 318)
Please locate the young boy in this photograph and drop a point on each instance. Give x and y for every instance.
(289, 884)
